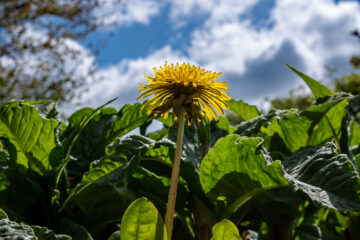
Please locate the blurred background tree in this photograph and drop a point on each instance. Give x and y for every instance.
(39, 57)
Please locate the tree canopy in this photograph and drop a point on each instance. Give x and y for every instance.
(39, 58)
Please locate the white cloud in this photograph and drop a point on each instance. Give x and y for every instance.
(216, 10)
(318, 27)
(66, 58)
(306, 33)
(127, 12)
(320, 30)
(122, 79)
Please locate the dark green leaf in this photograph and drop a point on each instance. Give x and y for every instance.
(95, 129)
(3, 214)
(77, 122)
(327, 177)
(128, 118)
(115, 236)
(309, 232)
(42, 233)
(11, 230)
(33, 203)
(76, 231)
(247, 128)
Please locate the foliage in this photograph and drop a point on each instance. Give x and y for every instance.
(285, 174)
(37, 56)
(293, 100)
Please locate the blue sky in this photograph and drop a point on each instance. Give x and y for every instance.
(249, 41)
(141, 39)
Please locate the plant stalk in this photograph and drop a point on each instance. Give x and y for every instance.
(170, 210)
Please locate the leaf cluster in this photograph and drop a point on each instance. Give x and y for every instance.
(285, 174)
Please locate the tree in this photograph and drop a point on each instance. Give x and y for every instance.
(39, 57)
(297, 98)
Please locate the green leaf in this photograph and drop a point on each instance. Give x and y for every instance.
(95, 129)
(309, 232)
(115, 236)
(225, 230)
(13, 230)
(354, 133)
(156, 188)
(31, 139)
(33, 203)
(235, 169)
(244, 110)
(253, 126)
(292, 129)
(314, 126)
(77, 122)
(157, 135)
(197, 141)
(92, 140)
(313, 169)
(106, 184)
(42, 233)
(223, 123)
(329, 126)
(142, 221)
(318, 89)
(151, 179)
(76, 231)
(3, 214)
(191, 148)
(128, 118)
(109, 176)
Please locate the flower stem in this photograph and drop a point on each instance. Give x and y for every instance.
(174, 177)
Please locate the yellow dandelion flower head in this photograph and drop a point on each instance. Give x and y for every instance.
(185, 86)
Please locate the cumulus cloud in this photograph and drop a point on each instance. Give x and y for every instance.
(314, 34)
(305, 34)
(319, 30)
(127, 12)
(67, 57)
(122, 79)
(216, 10)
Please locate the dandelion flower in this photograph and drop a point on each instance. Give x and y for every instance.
(187, 86)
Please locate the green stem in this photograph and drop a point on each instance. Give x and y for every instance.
(174, 177)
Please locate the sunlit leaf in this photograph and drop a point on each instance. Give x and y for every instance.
(354, 133)
(31, 139)
(244, 110)
(142, 221)
(235, 169)
(318, 89)
(225, 230)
